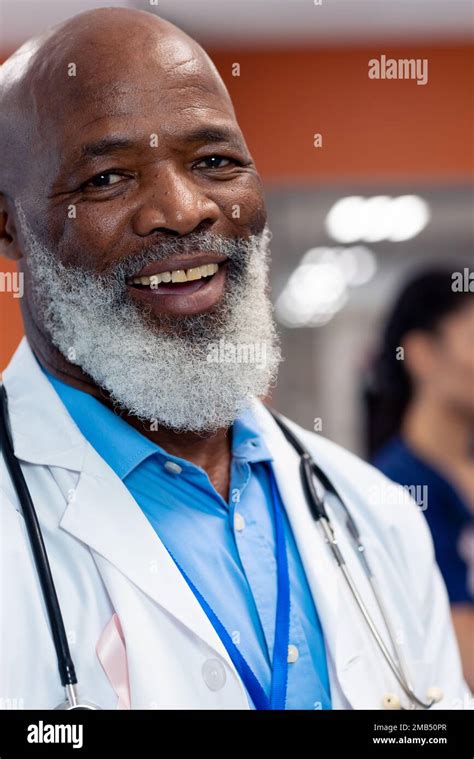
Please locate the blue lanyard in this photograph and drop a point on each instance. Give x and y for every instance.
(282, 624)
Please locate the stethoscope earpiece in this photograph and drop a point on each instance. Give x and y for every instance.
(434, 694)
(391, 702)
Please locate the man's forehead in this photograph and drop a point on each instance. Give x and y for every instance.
(113, 64)
(137, 113)
(165, 82)
(108, 76)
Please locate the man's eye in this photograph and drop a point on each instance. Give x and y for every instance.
(215, 162)
(106, 179)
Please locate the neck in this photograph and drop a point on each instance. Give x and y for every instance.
(437, 431)
(210, 451)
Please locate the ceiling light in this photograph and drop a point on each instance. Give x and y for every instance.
(377, 218)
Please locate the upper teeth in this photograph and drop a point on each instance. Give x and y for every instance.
(179, 275)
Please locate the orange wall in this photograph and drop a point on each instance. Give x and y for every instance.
(372, 129)
(387, 130)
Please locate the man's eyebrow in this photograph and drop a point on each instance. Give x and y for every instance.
(113, 144)
(212, 134)
(104, 146)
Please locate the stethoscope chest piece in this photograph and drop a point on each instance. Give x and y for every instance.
(81, 706)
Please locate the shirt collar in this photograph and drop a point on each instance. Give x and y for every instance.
(124, 448)
(247, 439)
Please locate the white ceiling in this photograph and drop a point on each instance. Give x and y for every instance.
(247, 22)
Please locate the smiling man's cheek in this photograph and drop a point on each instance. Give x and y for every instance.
(98, 234)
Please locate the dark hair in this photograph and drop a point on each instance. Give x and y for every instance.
(422, 304)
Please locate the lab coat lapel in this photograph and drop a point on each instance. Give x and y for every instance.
(42, 430)
(103, 514)
(100, 510)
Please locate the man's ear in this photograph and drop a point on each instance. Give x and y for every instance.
(9, 242)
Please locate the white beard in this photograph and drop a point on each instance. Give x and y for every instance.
(163, 377)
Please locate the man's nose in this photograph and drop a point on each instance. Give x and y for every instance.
(175, 204)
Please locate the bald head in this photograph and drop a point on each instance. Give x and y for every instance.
(125, 164)
(119, 145)
(88, 64)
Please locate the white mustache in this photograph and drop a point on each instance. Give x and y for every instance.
(233, 248)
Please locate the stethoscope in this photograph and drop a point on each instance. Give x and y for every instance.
(66, 667)
(308, 470)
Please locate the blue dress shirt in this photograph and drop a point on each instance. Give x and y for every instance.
(226, 548)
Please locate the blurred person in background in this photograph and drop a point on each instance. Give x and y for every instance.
(421, 426)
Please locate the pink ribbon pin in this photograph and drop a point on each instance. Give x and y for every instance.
(112, 655)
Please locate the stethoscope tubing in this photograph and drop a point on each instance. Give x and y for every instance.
(66, 667)
(397, 671)
(308, 468)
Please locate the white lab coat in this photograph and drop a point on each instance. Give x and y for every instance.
(106, 558)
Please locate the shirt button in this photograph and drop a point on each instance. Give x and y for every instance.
(293, 653)
(213, 673)
(239, 522)
(172, 466)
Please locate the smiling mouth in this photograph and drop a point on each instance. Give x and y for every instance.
(176, 280)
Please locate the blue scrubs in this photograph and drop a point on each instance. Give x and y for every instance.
(450, 520)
